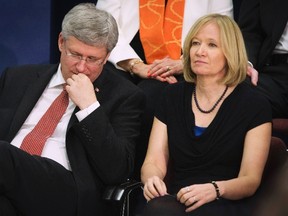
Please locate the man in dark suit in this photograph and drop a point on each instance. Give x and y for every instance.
(264, 24)
(92, 145)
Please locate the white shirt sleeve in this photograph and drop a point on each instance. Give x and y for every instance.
(85, 112)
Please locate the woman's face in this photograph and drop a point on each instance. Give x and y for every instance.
(206, 55)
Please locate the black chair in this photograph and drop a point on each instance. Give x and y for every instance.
(276, 159)
(273, 192)
(280, 129)
(124, 198)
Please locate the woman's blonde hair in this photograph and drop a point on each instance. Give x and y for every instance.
(232, 45)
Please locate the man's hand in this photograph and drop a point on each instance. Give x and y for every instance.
(81, 90)
(253, 74)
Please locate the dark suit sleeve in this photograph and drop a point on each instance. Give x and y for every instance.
(249, 23)
(109, 137)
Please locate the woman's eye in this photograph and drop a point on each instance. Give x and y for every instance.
(194, 43)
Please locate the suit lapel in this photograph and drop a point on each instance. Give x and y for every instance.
(29, 100)
(99, 84)
(73, 119)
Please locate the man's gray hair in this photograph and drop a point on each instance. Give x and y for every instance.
(91, 26)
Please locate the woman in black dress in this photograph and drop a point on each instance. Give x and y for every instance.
(213, 128)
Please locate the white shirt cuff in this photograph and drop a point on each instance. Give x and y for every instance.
(250, 64)
(85, 112)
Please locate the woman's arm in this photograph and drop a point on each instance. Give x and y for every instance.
(154, 167)
(256, 149)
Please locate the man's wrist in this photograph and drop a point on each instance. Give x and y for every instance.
(87, 111)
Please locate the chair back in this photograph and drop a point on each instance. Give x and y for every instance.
(276, 158)
(272, 194)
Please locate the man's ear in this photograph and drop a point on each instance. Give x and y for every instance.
(106, 58)
(60, 42)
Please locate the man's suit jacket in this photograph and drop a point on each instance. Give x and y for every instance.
(100, 147)
(126, 13)
(262, 23)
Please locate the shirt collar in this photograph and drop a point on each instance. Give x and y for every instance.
(57, 79)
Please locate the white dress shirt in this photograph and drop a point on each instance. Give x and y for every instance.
(55, 147)
(282, 46)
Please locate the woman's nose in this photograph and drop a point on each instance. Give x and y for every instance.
(201, 50)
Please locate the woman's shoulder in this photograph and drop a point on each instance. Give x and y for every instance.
(247, 97)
